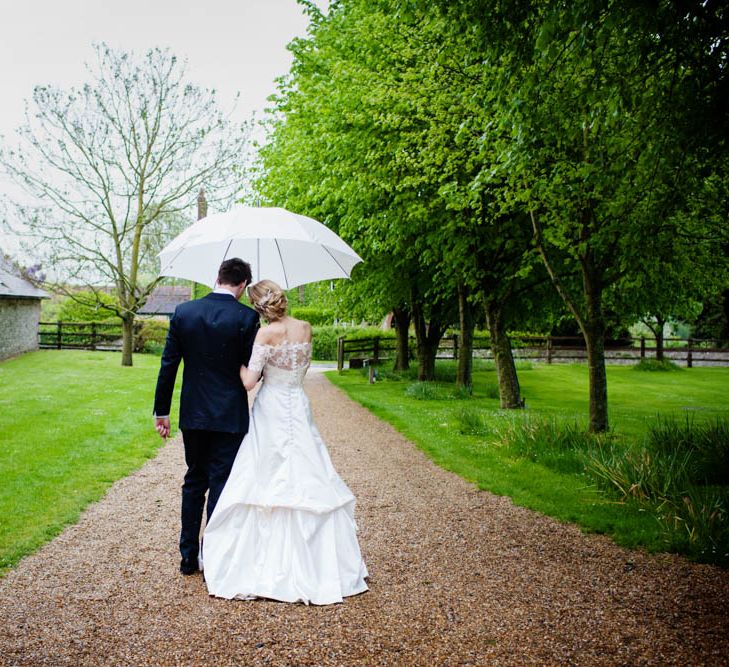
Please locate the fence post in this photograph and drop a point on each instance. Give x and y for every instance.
(549, 349)
(690, 355)
(340, 353)
(455, 347)
(642, 347)
(93, 335)
(58, 334)
(376, 351)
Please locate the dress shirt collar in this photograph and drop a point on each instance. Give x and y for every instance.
(221, 289)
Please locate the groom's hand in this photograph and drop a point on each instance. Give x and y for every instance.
(162, 424)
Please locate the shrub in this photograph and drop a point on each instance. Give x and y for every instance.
(473, 422)
(325, 342)
(706, 443)
(424, 391)
(151, 336)
(681, 471)
(652, 365)
(325, 338)
(556, 444)
(314, 316)
(73, 311)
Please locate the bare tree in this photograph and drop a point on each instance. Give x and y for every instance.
(111, 169)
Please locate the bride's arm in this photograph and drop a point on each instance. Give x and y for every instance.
(249, 377)
(250, 374)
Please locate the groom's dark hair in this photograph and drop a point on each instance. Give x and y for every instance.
(234, 271)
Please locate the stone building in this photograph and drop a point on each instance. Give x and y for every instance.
(20, 306)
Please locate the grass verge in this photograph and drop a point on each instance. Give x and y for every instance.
(472, 437)
(71, 424)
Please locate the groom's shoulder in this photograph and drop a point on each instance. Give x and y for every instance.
(247, 311)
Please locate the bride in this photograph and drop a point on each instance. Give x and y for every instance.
(284, 525)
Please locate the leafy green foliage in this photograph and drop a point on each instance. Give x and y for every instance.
(325, 338)
(151, 336)
(314, 316)
(472, 157)
(88, 307)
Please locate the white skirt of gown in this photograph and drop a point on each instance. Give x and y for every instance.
(284, 525)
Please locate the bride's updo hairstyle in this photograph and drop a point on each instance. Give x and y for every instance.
(268, 299)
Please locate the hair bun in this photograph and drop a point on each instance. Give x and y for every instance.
(268, 299)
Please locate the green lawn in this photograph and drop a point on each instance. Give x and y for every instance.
(71, 423)
(558, 391)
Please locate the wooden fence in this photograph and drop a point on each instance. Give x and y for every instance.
(549, 349)
(80, 335)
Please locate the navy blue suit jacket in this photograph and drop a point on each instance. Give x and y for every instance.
(213, 336)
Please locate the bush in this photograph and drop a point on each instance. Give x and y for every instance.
(473, 422)
(314, 316)
(706, 444)
(325, 342)
(425, 391)
(653, 365)
(151, 336)
(561, 446)
(73, 311)
(325, 338)
(681, 471)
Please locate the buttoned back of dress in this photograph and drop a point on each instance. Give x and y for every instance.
(285, 363)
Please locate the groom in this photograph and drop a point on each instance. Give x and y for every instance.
(213, 336)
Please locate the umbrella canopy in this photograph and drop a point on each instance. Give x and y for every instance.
(282, 246)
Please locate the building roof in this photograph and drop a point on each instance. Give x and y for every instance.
(14, 286)
(165, 299)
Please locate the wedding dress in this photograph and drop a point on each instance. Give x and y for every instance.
(284, 525)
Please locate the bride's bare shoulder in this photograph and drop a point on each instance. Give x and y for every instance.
(302, 329)
(267, 335)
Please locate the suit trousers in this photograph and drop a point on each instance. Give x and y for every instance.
(209, 456)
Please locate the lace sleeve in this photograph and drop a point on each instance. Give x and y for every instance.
(259, 356)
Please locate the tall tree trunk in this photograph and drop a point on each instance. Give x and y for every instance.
(594, 334)
(127, 340)
(402, 330)
(464, 375)
(591, 320)
(509, 390)
(427, 336)
(660, 323)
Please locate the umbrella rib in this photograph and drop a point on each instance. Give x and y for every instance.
(225, 255)
(167, 266)
(335, 259)
(283, 267)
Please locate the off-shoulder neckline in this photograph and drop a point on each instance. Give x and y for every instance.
(283, 343)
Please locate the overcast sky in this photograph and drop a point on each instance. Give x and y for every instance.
(231, 45)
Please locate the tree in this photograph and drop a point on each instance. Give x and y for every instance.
(603, 130)
(345, 145)
(677, 274)
(112, 170)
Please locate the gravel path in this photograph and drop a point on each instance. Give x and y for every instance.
(459, 577)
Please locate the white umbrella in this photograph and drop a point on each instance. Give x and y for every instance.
(285, 247)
